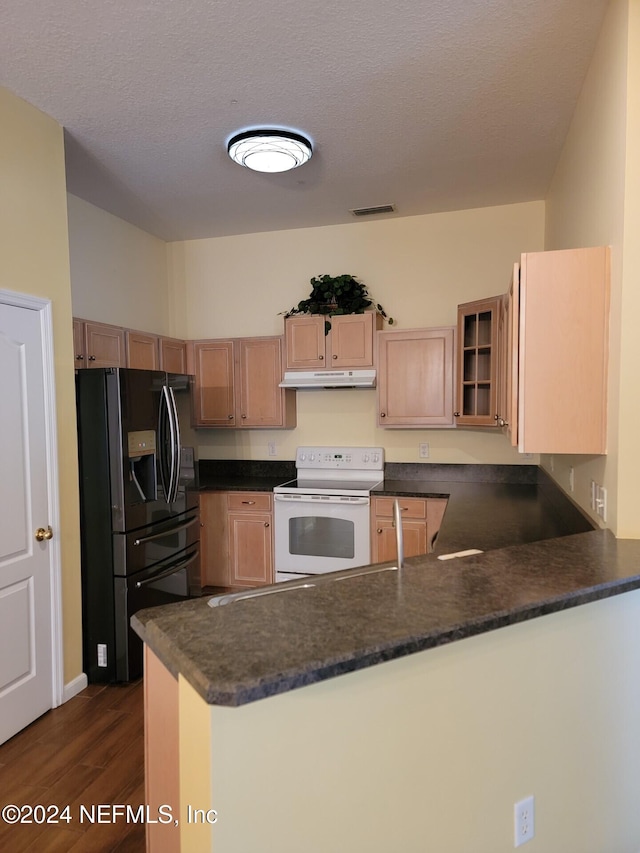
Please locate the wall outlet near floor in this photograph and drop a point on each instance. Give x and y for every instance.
(102, 654)
(523, 821)
(424, 450)
(272, 449)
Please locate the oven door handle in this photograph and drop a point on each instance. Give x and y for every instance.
(170, 571)
(167, 531)
(324, 501)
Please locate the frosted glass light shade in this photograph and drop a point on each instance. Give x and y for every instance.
(269, 150)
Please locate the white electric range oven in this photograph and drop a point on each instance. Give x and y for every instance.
(322, 518)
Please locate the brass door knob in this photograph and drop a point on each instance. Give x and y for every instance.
(41, 533)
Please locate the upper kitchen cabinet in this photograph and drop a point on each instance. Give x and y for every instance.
(173, 355)
(478, 361)
(415, 378)
(260, 401)
(214, 385)
(237, 384)
(349, 343)
(142, 350)
(562, 346)
(98, 344)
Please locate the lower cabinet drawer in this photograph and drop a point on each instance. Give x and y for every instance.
(409, 507)
(249, 501)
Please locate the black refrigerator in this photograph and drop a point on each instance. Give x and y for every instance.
(139, 518)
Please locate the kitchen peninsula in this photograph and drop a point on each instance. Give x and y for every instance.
(422, 742)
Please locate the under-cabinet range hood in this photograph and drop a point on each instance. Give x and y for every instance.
(329, 379)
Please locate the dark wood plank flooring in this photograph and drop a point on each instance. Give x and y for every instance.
(88, 752)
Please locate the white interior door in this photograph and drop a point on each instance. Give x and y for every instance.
(26, 647)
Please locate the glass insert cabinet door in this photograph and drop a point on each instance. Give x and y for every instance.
(476, 392)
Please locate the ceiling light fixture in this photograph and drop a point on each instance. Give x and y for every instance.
(269, 150)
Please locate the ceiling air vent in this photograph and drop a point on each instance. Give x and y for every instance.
(370, 211)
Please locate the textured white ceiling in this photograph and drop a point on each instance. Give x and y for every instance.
(427, 104)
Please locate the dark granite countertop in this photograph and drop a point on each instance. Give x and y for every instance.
(255, 648)
(540, 555)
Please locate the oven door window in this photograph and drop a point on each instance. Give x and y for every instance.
(321, 536)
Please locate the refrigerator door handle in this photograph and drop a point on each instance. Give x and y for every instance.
(170, 571)
(175, 455)
(167, 531)
(169, 444)
(164, 421)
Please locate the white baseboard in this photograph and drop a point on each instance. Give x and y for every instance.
(74, 687)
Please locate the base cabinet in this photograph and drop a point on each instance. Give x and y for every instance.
(421, 519)
(236, 539)
(250, 537)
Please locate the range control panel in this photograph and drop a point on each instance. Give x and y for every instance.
(347, 458)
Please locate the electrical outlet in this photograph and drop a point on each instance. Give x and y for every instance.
(271, 445)
(594, 493)
(102, 654)
(523, 821)
(572, 480)
(424, 450)
(601, 502)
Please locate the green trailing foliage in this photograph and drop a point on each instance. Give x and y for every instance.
(340, 294)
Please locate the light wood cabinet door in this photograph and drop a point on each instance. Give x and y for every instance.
(104, 345)
(351, 340)
(260, 401)
(173, 355)
(305, 342)
(563, 351)
(415, 378)
(214, 544)
(384, 546)
(142, 350)
(78, 343)
(477, 380)
(250, 526)
(214, 390)
(512, 317)
(348, 344)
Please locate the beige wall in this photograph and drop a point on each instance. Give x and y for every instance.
(118, 272)
(594, 200)
(35, 260)
(432, 751)
(419, 268)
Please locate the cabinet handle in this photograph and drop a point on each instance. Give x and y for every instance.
(92, 358)
(230, 417)
(456, 414)
(383, 414)
(379, 530)
(335, 356)
(244, 416)
(266, 524)
(321, 357)
(250, 503)
(80, 358)
(503, 423)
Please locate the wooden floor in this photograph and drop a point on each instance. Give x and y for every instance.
(88, 752)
